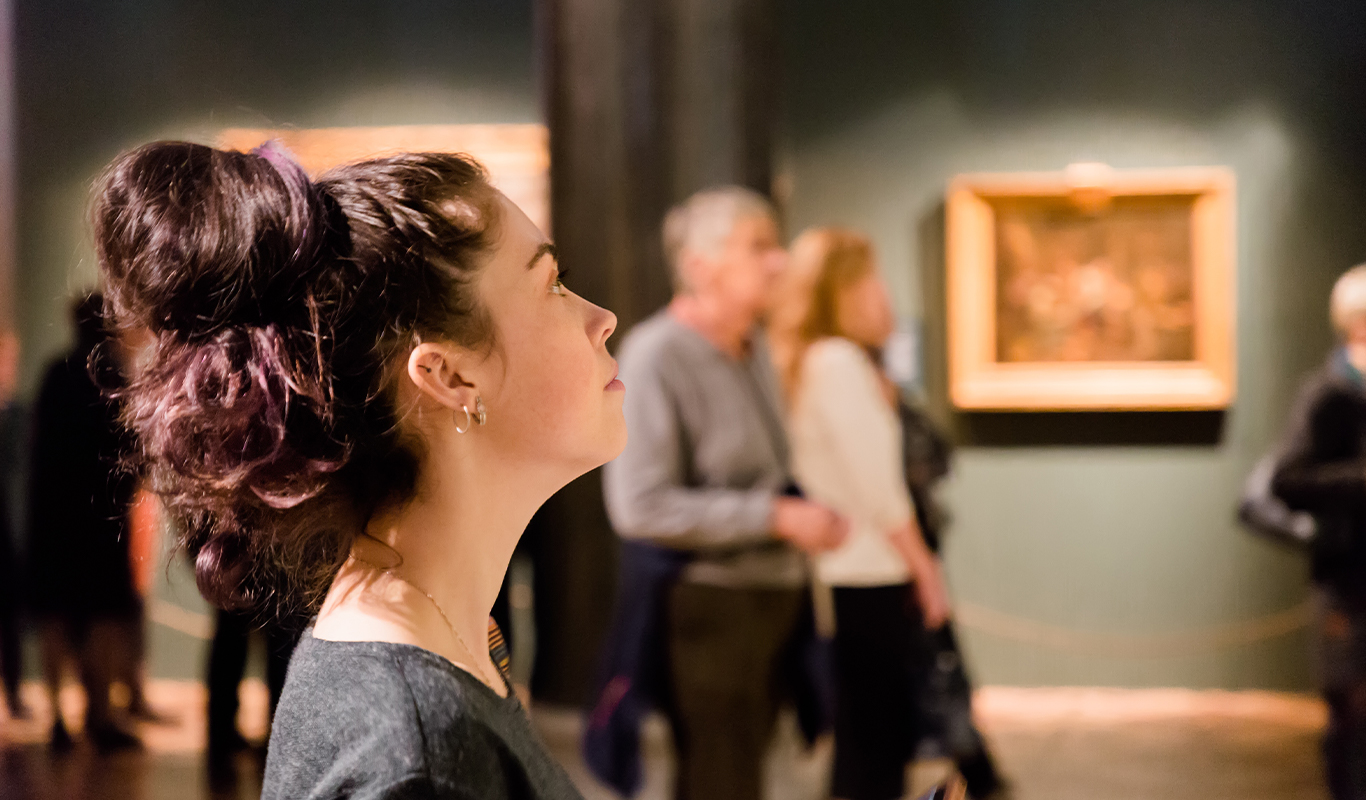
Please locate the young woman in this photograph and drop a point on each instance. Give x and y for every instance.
(361, 390)
(830, 311)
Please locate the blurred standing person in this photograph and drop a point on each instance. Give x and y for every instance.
(946, 697)
(232, 632)
(82, 592)
(11, 651)
(142, 522)
(703, 474)
(1322, 470)
(831, 310)
(144, 546)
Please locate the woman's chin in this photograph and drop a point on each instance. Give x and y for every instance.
(616, 441)
(613, 439)
(604, 447)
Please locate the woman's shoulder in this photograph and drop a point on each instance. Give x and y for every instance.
(835, 356)
(383, 714)
(837, 348)
(397, 680)
(370, 712)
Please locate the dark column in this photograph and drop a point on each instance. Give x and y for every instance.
(723, 71)
(8, 284)
(647, 101)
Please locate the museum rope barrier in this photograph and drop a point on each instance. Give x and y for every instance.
(182, 620)
(992, 623)
(1128, 645)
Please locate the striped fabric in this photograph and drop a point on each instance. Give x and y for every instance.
(498, 648)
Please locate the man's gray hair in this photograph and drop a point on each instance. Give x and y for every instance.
(703, 222)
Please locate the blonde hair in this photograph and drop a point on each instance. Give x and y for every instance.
(703, 222)
(1348, 298)
(823, 263)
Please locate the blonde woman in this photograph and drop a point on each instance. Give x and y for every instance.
(831, 311)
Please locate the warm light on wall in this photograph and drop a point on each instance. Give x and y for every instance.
(516, 156)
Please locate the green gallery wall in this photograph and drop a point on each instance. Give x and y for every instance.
(1071, 524)
(95, 78)
(1085, 523)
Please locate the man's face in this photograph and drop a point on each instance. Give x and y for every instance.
(1355, 331)
(742, 274)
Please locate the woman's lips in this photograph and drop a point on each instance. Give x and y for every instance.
(614, 385)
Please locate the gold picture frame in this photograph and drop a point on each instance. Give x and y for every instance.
(1091, 289)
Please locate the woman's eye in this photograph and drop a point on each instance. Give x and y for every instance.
(558, 286)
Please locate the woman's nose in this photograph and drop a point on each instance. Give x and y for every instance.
(601, 323)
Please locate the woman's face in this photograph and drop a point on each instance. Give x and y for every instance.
(864, 311)
(550, 387)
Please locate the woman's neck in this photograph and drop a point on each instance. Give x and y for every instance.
(434, 565)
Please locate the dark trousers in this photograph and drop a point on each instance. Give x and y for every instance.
(1341, 629)
(897, 686)
(881, 661)
(11, 657)
(228, 662)
(726, 653)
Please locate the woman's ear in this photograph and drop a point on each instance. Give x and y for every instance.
(434, 368)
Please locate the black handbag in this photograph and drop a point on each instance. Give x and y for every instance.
(1267, 515)
(952, 789)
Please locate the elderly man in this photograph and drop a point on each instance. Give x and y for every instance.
(1322, 470)
(706, 474)
(11, 662)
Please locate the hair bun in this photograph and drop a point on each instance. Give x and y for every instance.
(195, 240)
(263, 412)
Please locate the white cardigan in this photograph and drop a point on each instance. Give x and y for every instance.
(846, 453)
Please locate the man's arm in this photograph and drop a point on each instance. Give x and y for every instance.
(1321, 471)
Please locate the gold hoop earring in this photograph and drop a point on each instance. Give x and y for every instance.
(481, 414)
(468, 421)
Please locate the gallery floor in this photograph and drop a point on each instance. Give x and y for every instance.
(1056, 744)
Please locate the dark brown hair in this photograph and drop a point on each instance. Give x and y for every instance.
(280, 308)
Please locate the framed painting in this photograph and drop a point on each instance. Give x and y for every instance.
(516, 156)
(1091, 289)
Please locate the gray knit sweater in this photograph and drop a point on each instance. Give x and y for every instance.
(382, 721)
(706, 455)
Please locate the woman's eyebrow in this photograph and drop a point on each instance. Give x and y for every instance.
(544, 249)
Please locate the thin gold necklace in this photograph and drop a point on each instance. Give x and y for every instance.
(479, 668)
